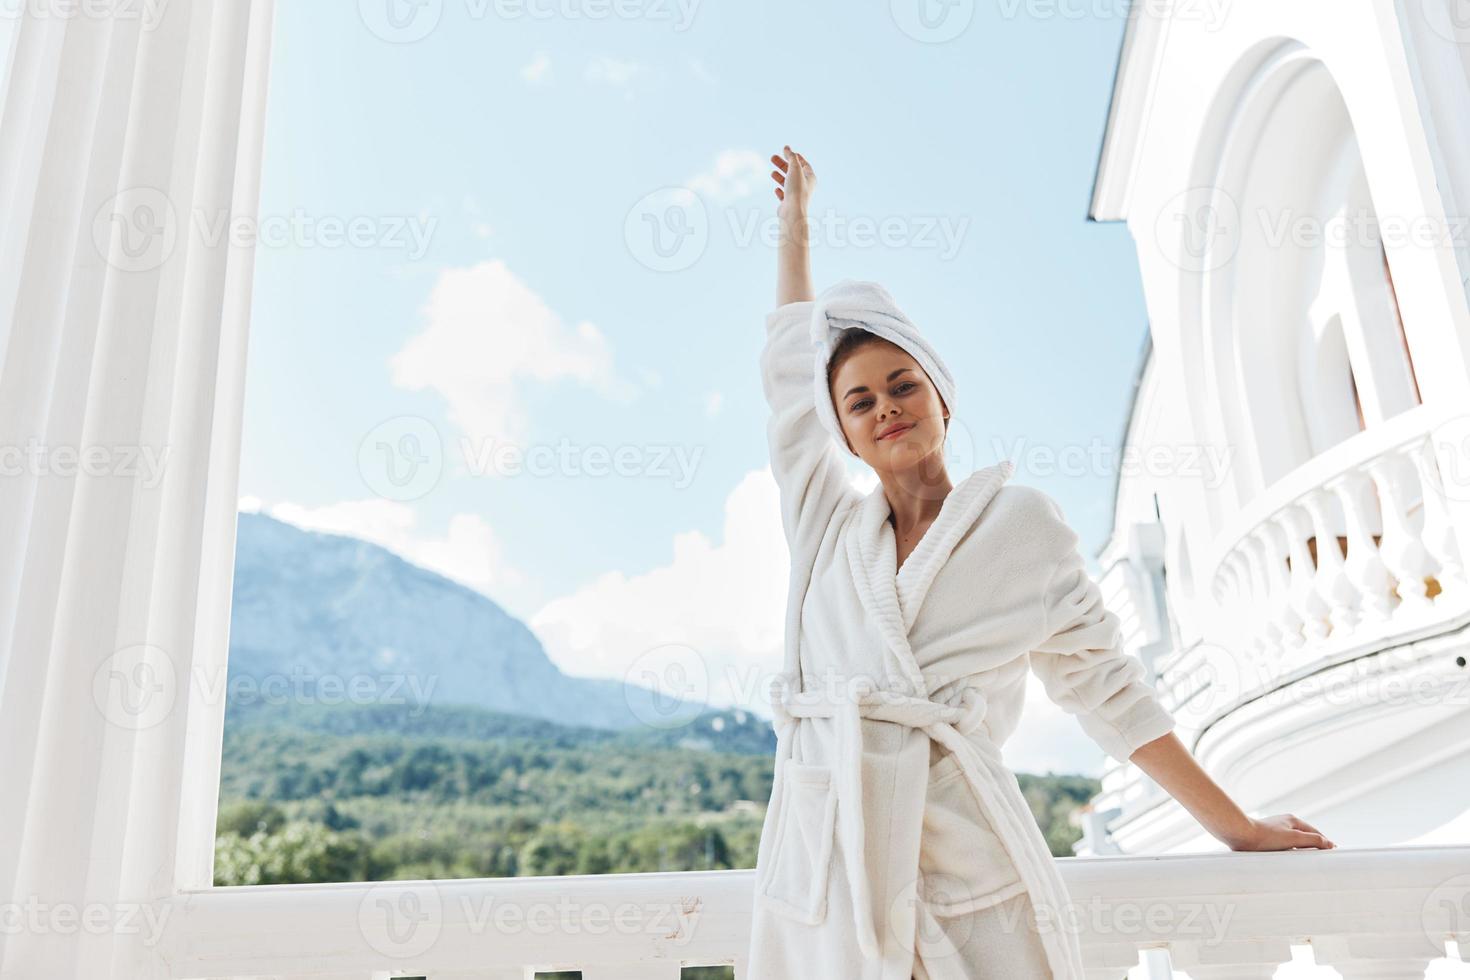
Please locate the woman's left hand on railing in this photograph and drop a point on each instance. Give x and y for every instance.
(1281, 832)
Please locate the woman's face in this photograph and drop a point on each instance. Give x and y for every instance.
(890, 411)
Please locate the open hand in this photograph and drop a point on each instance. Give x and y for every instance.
(795, 180)
(1281, 832)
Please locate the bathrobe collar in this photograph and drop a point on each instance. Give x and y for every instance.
(872, 552)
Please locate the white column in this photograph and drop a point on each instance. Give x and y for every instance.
(122, 347)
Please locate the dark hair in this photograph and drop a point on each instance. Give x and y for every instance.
(850, 341)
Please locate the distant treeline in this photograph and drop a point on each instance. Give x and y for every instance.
(371, 793)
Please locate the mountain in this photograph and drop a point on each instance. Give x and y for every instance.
(728, 732)
(322, 619)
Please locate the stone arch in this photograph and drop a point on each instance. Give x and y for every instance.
(1275, 235)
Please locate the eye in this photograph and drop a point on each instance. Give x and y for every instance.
(905, 384)
(857, 405)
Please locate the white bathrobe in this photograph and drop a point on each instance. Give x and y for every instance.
(891, 800)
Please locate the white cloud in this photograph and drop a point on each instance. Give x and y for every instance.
(484, 331)
(539, 70)
(713, 402)
(469, 552)
(725, 600)
(735, 174)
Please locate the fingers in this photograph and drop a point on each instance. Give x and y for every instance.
(806, 168)
(787, 157)
(1301, 824)
(783, 162)
(1306, 838)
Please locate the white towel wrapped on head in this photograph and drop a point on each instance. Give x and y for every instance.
(854, 303)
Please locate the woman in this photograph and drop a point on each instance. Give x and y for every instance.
(897, 844)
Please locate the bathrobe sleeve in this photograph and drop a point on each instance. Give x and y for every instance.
(806, 462)
(1081, 664)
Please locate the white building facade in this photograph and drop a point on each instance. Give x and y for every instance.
(1293, 505)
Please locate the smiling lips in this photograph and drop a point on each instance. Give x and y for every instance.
(896, 430)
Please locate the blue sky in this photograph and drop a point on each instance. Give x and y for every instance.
(505, 171)
(502, 170)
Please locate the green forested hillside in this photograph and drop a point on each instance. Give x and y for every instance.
(373, 793)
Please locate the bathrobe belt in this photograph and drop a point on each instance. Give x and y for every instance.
(953, 726)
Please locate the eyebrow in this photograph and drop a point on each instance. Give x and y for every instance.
(891, 376)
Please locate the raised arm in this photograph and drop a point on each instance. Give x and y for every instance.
(795, 181)
(807, 464)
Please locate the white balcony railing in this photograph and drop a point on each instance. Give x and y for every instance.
(1382, 912)
(1351, 550)
(1352, 554)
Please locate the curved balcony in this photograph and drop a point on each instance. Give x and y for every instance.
(1353, 550)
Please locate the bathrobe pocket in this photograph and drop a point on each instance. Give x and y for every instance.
(795, 881)
(963, 865)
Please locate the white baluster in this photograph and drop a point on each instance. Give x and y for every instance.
(1332, 581)
(1403, 554)
(1253, 961)
(1296, 524)
(1233, 597)
(1284, 617)
(1371, 956)
(1224, 588)
(1250, 645)
(1438, 533)
(1266, 638)
(1364, 565)
(1156, 964)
